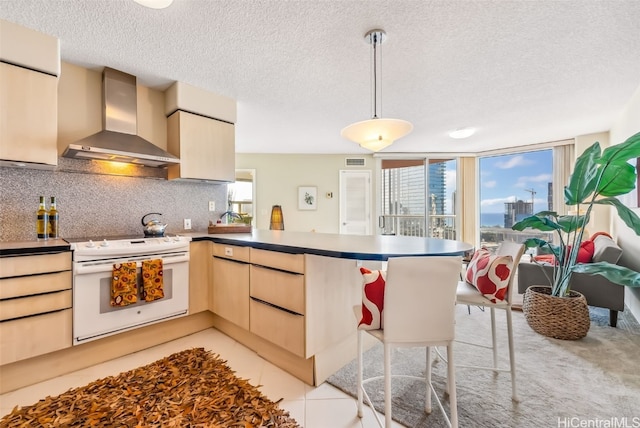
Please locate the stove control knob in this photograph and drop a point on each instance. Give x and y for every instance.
(104, 243)
(90, 244)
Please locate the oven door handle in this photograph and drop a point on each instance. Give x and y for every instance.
(83, 268)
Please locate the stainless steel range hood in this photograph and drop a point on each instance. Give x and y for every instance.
(119, 141)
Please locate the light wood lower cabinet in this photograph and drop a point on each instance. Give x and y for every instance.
(200, 262)
(35, 335)
(231, 284)
(300, 307)
(277, 307)
(282, 289)
(278, 326)
(35, 305)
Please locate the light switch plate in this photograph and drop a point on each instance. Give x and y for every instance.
(187, 223)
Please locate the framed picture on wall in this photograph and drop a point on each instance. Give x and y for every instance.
(307, 197)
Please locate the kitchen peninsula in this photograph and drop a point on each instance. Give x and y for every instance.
(286, 295)
(290, 295)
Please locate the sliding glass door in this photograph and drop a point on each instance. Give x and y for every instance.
(418, 198)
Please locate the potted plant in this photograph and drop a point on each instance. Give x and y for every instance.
(598, 178)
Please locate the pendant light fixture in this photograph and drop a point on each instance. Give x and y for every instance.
(375, 134)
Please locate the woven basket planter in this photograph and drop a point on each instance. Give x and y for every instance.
(558, 317)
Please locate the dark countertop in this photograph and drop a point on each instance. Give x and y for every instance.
(18, 248)
(358, 247)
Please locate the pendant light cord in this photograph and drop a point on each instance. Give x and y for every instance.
(374, 42)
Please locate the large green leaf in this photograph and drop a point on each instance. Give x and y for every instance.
(585, 176)
(540, 223)
(617, 179)
(614, 273)
(535, 242)
(629, 217)
(571, 223)
(622, 153)
(547, 214)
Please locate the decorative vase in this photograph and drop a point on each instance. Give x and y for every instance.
(564, 318)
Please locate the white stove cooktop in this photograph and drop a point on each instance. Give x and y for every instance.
(128, 246)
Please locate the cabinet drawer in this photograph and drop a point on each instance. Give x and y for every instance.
(280, 288)
(36, 335)
(274, 259)
(33, 305)
(31, 265)
(278, 327)
(232, 252)
(34, 284)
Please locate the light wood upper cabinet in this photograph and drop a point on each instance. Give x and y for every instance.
(29, 66)
(205, 146)
(28, 124)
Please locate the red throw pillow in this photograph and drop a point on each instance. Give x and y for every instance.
(585, 252)
(373, 283)
(490, 274)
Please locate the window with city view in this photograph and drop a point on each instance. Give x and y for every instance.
(513, 187)
(418, 201)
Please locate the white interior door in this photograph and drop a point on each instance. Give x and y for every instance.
(355, 202)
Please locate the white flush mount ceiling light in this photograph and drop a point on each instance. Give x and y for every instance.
(155, 4)
(462, 133)
(375, 134)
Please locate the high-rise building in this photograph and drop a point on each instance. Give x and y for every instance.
(437, 189)
(516, 211)
(550, 196)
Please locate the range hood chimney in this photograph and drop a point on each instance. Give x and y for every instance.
(119, 141)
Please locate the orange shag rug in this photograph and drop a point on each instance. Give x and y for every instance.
(190, 388)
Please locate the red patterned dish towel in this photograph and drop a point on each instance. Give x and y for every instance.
(124, 287)
(152, 280)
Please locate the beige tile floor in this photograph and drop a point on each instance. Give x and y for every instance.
(313, 407)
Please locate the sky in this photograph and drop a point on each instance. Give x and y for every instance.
(504, 178)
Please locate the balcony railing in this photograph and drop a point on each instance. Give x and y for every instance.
(440, 226)
(491, 236)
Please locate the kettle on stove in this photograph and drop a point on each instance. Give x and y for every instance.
(153, 227)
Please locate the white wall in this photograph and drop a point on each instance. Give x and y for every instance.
(627, 124)
(601, 215)
(278, 177)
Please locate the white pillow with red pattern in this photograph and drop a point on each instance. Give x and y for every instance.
(490, 274)
(373, 283)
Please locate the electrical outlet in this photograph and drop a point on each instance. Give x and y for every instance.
(187, 223)
(212, 205)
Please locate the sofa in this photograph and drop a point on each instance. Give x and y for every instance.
(596, 289)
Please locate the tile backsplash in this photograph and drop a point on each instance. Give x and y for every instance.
(93, 203)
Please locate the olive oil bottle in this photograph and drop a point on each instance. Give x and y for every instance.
(54, 217)
(42, 220)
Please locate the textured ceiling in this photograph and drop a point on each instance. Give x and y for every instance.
(521, 72)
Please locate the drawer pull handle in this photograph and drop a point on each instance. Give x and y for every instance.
(275, 306)
(276, 269)
(37, 315)
(231, 260)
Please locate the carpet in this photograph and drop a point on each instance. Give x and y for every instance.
(187, 389)
(595, 379)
